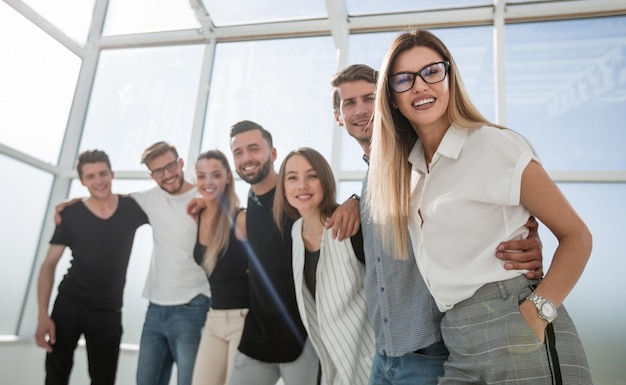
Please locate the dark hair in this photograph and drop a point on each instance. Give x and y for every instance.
(91, 156)
(247, 125)
(351, 73)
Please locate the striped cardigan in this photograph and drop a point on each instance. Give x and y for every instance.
(337, 322)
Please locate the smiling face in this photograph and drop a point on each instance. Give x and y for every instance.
(356, 108)
(97, 177)
(302, 185)
(212, 178)
(170, 180)
(252, 156)
(424, 105)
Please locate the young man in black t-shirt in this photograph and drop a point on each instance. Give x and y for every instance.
(274, 343)
(100, 232)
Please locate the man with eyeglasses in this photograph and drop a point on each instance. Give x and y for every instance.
(409, 347)
(176, 285)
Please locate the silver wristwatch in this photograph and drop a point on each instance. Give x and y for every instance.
(547, 309)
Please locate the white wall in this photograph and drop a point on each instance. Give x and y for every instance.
(22, 363)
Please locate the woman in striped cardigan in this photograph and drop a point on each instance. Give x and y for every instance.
(328, 274)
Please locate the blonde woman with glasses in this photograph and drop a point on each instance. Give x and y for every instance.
(461, 185)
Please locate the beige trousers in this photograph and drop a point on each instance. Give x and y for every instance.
(218, 346)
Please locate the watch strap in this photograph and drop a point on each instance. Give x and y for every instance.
(539, 302)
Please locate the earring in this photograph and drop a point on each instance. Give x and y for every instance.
(394, 105)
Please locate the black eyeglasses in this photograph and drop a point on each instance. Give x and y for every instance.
(171, 167)
(431, 74)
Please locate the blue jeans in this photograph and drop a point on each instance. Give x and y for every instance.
(171, 334)
(423, 367)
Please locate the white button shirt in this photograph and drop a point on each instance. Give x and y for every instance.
(463, 205)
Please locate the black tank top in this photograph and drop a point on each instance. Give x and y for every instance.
(229, 279)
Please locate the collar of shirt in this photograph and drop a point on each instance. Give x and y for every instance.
(450, 147)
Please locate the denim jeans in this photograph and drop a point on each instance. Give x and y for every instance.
(423, 367)
(171, 334)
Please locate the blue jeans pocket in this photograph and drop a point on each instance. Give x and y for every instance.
(199, 302)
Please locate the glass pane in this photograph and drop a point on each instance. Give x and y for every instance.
(351, 153)
(472, 48)
(39, 75)
(346, 189)
(369, 48)
(566, 91)
(141, 96)
(241, 188)
(369, 7)
(135, 304)
(142, 16)
(601, 206)
(281, 84)
(72, 17)
(22, 207)
(252, 11)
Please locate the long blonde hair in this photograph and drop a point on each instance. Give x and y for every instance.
(229, 205)
(393, 138)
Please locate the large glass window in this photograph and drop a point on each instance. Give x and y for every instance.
(253, 11)
(141, 96)
(73, 17)
(142, 16)
(566, 91)
(281, 84)
(23, 203)
(369, 7)
(37, 78)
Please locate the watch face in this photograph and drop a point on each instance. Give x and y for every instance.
(548, 310)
